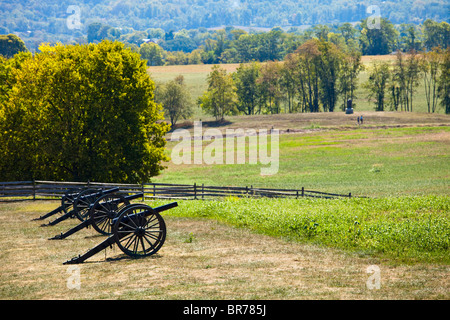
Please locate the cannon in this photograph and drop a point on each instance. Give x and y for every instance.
(139, 231)
(81, 205)
(66, 203)
(101, 213)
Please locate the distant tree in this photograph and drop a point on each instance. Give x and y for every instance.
(308, 55)
(10, 45)
(406, 72)
(328, 70)
(245, 79)
(376, 85)
(444, 82)
(220, 98)
(152, 53)
(270, 87)
(436, 34)
(351, 66)
(175, 99)
(378, 41)
(430, 68)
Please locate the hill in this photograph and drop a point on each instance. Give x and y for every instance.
(49, 19)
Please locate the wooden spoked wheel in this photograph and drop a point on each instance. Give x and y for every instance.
(104, 210)
(82, 203)
(139, 231)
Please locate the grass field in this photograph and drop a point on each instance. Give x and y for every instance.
(270, 248)
(195, 78)
(234, 258)
(398, 158)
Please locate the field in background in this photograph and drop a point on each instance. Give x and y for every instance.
(394, 154)
(195, 77)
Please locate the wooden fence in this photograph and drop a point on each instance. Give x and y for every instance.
(44, 190)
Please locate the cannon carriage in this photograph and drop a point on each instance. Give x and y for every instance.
(80, 205)
(138, 229)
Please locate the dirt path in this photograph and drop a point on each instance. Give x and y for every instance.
(200, 259)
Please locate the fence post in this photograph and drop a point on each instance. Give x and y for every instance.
(195, 191)
(34, 189)
(143, 194)
(203, 191)
(296, 197)
(303, 191)
(154, 191)
(349, 194)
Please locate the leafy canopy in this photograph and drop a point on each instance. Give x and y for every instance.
(81, 112)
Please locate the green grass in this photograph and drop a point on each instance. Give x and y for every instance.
(382, 162)
(403, 229)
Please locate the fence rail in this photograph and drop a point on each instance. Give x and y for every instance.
(44, 190)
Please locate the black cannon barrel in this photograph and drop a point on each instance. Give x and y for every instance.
(157, 209)
(112, 240)
(86, 223)
(71, 213)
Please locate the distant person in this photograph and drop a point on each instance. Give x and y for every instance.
(358, 120)
(361, 119)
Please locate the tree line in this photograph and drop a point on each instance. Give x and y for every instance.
(233, 45)
(45, 21)
(394, 85)
(317, 77)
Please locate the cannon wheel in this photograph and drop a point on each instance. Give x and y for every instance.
(139, 231)
(105, 209)
(82, 202)
(68, 198)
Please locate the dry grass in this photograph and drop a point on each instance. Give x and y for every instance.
(201, 259)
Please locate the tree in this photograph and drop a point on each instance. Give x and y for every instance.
(430, 67)
(247, 91)
(83, 112)
(10, 45)
(329, 65)
(269, 86)
(152, 53)
(175, 99)
(348, 76)
(376, 84)
(376, 41)
(444, 82)
(220, 98)
(308, 55)
(406, 73)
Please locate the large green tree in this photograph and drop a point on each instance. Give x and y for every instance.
(83, 112)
